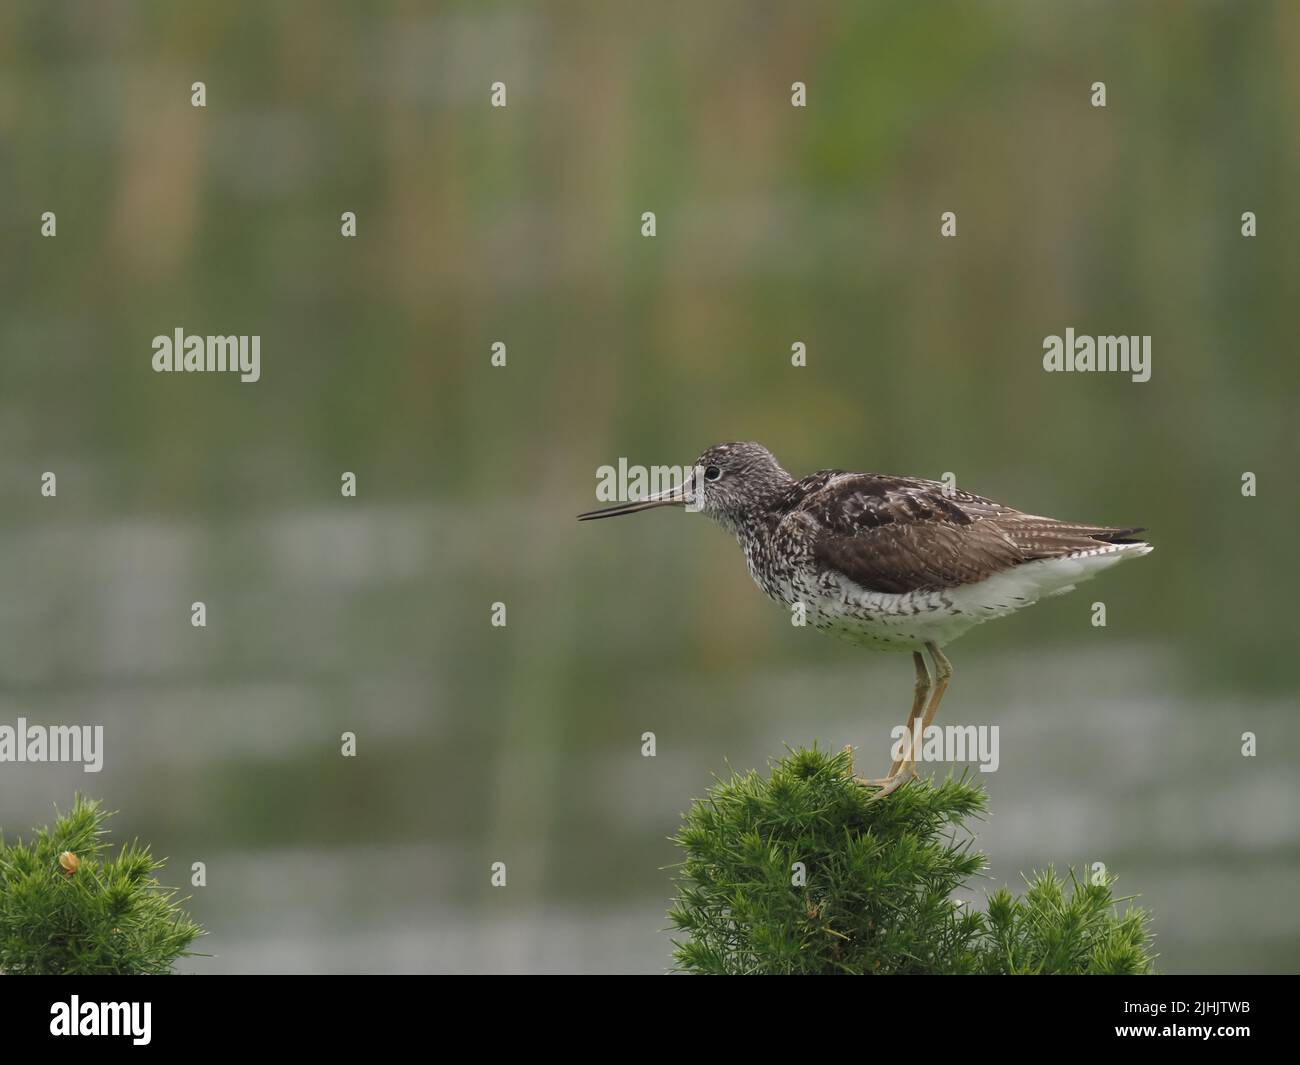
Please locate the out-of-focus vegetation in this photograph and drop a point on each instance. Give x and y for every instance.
(522, 225)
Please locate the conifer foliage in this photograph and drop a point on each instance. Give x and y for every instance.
(69, 907)
(799, 872)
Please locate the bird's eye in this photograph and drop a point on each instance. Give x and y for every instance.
(712, 473)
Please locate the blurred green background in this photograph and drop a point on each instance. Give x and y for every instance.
(775, 224)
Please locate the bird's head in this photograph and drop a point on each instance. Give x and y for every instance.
(726, 483)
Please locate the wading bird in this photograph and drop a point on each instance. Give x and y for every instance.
(891, 563)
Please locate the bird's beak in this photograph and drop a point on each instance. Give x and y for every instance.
(678, 496)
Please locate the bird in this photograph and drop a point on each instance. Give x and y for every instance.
(888, 562)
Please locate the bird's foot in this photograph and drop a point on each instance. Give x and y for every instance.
(890, 784)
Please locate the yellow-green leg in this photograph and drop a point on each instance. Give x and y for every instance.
(901, 774)
(919, 696)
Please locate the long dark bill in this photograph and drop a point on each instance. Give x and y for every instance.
(672, 497)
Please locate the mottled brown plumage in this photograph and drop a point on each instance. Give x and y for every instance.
(904, 534)
(896, 563)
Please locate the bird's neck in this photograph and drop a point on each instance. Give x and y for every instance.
(755, 534)
(754, 526)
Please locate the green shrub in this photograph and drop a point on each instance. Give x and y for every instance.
(878, 893)
(68, 907)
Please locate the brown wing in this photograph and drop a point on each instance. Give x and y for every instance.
(903, 534)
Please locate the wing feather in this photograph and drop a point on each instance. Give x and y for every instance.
(904, 534)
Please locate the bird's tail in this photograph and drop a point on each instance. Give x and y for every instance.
(1039, 538)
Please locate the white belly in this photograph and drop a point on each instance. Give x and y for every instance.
(907, 622)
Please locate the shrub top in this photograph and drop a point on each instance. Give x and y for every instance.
(799, 871)
(67, 907)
